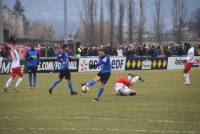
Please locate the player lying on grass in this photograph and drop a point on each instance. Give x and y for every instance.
(63, 58)
(103, 75)
(123, 85)
(15, 69)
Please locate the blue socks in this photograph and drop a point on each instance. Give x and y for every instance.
(100, 92)
(70, 87)
(30, 79)
(91, 83)
(34, 80)
(55, 83)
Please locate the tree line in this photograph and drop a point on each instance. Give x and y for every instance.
(94, 28)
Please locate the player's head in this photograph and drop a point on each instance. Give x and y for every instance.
(13, 46)
(65, 47)
(32, 47)
(101, 52)
(188, 45)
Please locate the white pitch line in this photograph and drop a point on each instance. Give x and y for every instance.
(100, 118)
(100, 129)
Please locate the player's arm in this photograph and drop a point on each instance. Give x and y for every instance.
(59, 58)
(9, 55)
(27, 57)
(104, 61)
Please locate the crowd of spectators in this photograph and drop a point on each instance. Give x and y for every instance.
(128, 50)
(131, 50)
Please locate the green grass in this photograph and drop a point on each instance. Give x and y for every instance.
(162, 105)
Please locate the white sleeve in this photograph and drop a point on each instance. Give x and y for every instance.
(104, 59)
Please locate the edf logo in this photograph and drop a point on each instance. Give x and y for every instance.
(117, 64)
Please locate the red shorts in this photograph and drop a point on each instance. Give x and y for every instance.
(187, 66)
(16, 71)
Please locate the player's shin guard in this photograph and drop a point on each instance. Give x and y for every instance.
(100, 92)
(135, 79)
(18, 82)
(54, 84)
(187, 78)
(91, 83)
(8, 82)
(70, 87)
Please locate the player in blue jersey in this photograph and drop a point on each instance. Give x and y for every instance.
(103, 75)
(32, 58)
(64, 58)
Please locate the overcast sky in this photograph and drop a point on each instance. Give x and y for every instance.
(52, 11)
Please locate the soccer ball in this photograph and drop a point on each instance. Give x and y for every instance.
(85, 89)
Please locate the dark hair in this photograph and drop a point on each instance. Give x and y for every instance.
(64, 46)
(101, 49)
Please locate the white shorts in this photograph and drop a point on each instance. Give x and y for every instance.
(123, 88)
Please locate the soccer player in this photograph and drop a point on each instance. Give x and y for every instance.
(32, 58)
(15, 69)
(63, 58)
(188, 64)
(123, 85)
(103, 75)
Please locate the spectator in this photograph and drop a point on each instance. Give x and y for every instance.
(119, 51)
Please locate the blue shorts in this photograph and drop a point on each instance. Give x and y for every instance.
(65, 74)
(104, 77)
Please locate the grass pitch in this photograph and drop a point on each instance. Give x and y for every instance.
(163, 105)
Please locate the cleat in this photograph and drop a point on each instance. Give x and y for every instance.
(132, 93)
(5, 89)
(74, 93)
(17, 90)
(96, 99)
(50, 91)
(141, 79)
(187, 83)
(83, 84)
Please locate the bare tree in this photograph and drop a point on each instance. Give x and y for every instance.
(130, 20)
(1, 22)
(142, 21)
(195, 21)
(41, 30)
(158, 21)
(179, 11)
(88, 19)
(121, 21)
(111, 7)
(101, 23)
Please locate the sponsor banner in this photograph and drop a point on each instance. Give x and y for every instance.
(44, 66)
(6, 66)
(146, 63)
(117, 63)
(178, 62)
(52, 65)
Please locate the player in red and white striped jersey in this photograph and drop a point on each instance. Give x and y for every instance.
(15, 69)
(188, 64)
